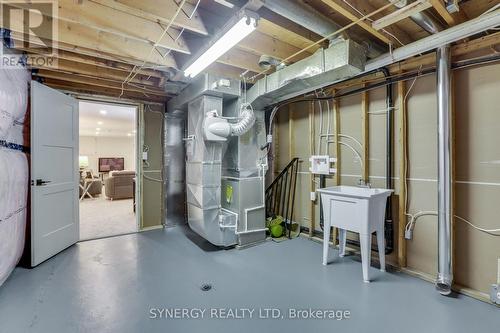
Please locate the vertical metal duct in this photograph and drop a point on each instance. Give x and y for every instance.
(445, 209)
(174, 157)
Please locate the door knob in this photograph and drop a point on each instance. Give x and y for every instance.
(41, 182)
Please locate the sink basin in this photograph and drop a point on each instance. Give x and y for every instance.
(355, 209)
(355, 192)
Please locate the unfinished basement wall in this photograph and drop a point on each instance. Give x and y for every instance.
(477, 131)
(152, 168)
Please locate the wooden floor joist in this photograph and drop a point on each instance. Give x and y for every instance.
(99, 72)
(113, 92)
(99, 82)
(73, 36)
(344, 12)
(402, 13)
(160, 11)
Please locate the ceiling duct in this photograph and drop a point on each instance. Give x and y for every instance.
(316, 72)
(426, 22)
(343, 59)
(315, 21)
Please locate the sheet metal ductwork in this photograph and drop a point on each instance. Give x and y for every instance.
(445, 167)
(316, 22)
(342, 60)
(225, 193)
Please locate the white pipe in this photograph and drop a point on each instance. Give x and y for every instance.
(450, 35)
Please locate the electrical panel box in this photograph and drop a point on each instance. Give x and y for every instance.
(321, 164)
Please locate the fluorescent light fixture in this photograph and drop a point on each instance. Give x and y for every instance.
(243, 27)
(129, 134)
(103, 112)
(100, 123)
(97, 129)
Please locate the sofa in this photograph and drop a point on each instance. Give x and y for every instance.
(95, 187)
(119, 185)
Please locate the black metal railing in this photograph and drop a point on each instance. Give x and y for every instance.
(280, 195)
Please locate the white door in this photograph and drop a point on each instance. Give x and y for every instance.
(54, 172)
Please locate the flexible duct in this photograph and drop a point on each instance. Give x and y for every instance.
(445, 195)
(245, 123)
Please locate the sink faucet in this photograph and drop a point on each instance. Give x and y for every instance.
(363, 183)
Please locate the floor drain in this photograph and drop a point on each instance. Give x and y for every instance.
(206, 287)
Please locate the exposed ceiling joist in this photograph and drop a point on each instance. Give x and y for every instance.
(105, 83)
(259, 44)
(238, 58)
(103, 18)
(95, 71)
(160, 11)
(441, 10)
(278, 32)
(366, 7)
(402, 13)
(72, 36)
(99, 62)
(288, 25)
(344, 12)
(97, 90)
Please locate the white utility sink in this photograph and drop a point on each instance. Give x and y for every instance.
(355, 209)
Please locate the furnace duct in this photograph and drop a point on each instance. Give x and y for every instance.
(224, 178)
(246, 122)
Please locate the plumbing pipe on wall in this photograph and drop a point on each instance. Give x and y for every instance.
(445, 166)
(389, 139)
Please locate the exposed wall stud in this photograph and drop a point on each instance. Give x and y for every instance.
(401, 86)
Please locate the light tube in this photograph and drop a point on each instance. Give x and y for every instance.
(232, 37)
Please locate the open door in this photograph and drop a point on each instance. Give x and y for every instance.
(54, 172)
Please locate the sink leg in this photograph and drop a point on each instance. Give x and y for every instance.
(342, 240)
(381, 248)
(326, 240)
(366, 246)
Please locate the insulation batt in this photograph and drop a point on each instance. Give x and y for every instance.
(13, 101)
(13, 168)
(13, 197)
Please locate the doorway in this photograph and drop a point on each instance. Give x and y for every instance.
(108, 167)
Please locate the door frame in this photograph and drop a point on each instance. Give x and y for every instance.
(139, 126)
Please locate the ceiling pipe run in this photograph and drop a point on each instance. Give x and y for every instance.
(315, 21)
(445, 166)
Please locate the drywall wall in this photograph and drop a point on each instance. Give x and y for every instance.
(97, 146)
(152, 171)
(477, 124)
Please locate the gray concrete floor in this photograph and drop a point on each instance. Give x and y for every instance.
(110, 285)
